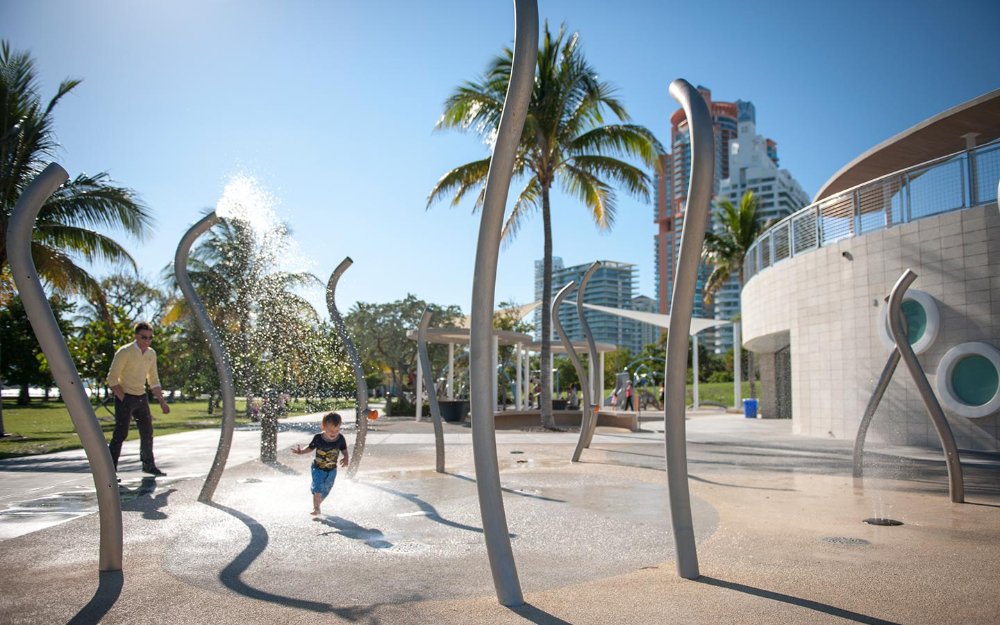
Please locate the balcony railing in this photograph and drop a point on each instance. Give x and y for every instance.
(950, 183)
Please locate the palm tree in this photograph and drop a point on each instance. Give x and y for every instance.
(68, 226)
(246, 297)
(67, 229)
(726, 248)
(564, 140)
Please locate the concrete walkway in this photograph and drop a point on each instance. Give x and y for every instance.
(778, 520)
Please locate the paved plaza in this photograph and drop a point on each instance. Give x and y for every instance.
(778, 520)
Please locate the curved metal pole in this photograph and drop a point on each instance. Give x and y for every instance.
(428, 382)
(359, 374)
(222, 366)
(897, 327)
(482, 370)
(568, 346)
(681, 310)
(866, 419)
(589, 422)
(43, 322)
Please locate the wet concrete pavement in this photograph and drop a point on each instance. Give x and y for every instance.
(778, 521)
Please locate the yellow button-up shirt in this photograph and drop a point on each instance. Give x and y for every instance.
(132, 368)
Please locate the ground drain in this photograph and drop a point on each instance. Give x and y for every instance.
(845, 540)
(882, 521)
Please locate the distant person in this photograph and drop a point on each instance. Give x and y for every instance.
(329, 444)
(628, 396)
(133, 366)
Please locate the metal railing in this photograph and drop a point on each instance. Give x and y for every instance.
(950, 183)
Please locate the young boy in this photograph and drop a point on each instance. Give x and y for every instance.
(329, 443)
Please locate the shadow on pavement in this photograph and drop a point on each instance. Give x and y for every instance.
(141, 499)
(372, 537)
(109, 588)
(805, 603)
(429, 510)
(231, 574)
(539, 617)
(520, 493)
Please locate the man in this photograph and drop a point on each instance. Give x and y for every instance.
(133, 366)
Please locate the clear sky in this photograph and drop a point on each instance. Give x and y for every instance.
(331, 105)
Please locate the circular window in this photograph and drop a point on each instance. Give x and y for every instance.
(968, 380)
(922, 321)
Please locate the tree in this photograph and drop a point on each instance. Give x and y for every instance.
(250, 302)
(23, 363)
(105, 323)
(379, 333)
(68, 226)
(726, 248)
(564, 140)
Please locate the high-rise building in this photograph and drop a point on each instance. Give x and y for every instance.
(612, 285)
(670, 205)
(753, 166)
(741, 158)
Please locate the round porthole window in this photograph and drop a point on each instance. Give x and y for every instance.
(922, 321)
(968, 380)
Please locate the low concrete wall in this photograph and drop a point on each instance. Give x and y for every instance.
(517, 419)
(825, 305)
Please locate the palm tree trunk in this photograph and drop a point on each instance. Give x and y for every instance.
(545, 377)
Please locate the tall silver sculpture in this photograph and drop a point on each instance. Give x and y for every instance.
(43, 322)
(222, 366)
(596, 379)
(428, 382)
(359, 374)
(897, 327)
(682, 303)
(482, 368)
(575, 359)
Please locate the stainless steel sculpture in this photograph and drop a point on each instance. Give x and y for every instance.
(481, 369)
(596, 381)
(43, 322)
(428, 382)
(897, 327)
(883, 383)
(568, 346)
(359, 374)
(682, 303)
(222, 366)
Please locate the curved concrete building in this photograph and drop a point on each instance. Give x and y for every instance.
(814, 309)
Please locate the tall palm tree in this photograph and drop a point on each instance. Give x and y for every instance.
(564, 140)
(726, 248)
(70, 224)
(246, 296)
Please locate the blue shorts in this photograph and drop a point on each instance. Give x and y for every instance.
(322, 480)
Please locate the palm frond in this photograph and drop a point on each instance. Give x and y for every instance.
(459, 181)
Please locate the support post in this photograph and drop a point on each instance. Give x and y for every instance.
(482, 370)
(681, 311)
(222, 366)
(20, 234)
(428, 382)
(361, 387)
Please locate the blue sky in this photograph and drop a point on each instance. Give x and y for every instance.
(331, 105)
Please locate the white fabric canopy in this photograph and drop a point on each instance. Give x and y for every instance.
(697, 323)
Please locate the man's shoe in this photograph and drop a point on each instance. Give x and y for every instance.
(153, 471)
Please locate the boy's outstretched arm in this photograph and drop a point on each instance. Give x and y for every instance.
(299, 449)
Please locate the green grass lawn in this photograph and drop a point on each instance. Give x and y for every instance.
(708, 393)
(44, 427)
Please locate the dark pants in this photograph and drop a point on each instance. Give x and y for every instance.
(133, 406)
